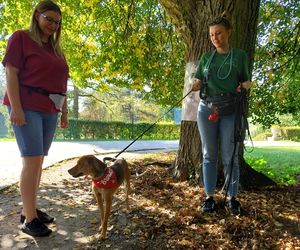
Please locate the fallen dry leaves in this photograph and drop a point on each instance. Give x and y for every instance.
(167, 215)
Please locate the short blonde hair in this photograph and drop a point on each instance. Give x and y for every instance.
(34, 29)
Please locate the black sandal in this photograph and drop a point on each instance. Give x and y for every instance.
(42, 216)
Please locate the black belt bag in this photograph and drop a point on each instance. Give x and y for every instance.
(57, 98)
(223, 105)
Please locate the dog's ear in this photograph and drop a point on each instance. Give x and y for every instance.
(98, 167)
(91, 160)
(95, 161)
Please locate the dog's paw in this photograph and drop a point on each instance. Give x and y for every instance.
(101, 237)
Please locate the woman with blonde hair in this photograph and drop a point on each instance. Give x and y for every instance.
(36, 74)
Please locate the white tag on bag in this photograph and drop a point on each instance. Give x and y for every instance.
(58, 100)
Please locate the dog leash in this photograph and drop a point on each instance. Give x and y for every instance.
(241, 124)
(138, 137)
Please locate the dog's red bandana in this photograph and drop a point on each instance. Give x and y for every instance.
(108, 180)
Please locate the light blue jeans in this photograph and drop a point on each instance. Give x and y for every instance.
(211, 134)
(35, 137)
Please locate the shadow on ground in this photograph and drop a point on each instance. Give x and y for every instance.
(164, 215)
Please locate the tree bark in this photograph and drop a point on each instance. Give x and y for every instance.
(189, 154)
(190, 18)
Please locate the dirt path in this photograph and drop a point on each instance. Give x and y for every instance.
(164, 215)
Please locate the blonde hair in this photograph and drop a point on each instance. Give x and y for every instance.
(35, 31)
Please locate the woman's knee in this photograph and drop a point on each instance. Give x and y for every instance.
(33, 162)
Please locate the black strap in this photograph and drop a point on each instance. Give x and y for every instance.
(40, 90)
(240, 127)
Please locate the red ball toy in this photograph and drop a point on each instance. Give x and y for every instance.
(214, 117)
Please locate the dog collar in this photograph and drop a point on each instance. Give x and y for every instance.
(108, 180)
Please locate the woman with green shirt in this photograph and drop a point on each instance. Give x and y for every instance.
(220, 75)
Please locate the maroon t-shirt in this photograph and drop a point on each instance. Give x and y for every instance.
(38, 67)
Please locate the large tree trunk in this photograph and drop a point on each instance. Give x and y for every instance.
(190, 18)
(189, 154)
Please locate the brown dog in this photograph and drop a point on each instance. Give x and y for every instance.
(106, 181)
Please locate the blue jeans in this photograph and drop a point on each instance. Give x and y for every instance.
(35, 137)
(211, 134)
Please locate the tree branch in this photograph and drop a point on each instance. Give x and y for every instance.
(97, 99)
(127, 26)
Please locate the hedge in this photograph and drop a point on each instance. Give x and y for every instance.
(90, 130)
(285, 133)
(290, 133)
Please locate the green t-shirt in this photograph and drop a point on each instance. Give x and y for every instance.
(219, 69)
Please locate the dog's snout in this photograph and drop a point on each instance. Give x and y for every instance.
(74, 171)
(71, 170)
(77, 175)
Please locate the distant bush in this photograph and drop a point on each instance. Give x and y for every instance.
(286, 133)
(91, 130)
(262, 137)
(290, 133)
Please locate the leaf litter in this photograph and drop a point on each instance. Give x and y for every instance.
(164, 214)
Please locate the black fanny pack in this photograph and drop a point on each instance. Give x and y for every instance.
(57, 98)
(40, 90)
(223, 105)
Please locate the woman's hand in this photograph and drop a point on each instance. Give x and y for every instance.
(64, 120)
(245, 85)
(17, 117)
(196, 85)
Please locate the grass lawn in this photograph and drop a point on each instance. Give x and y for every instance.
(7, 139)
(282, 164)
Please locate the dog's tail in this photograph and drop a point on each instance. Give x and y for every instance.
(109, 159)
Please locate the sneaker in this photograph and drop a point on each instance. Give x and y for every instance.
(209, 205)
(234, 206)
(43, 217)
(36, 228)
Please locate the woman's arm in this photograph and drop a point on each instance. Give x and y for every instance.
(17, 116)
